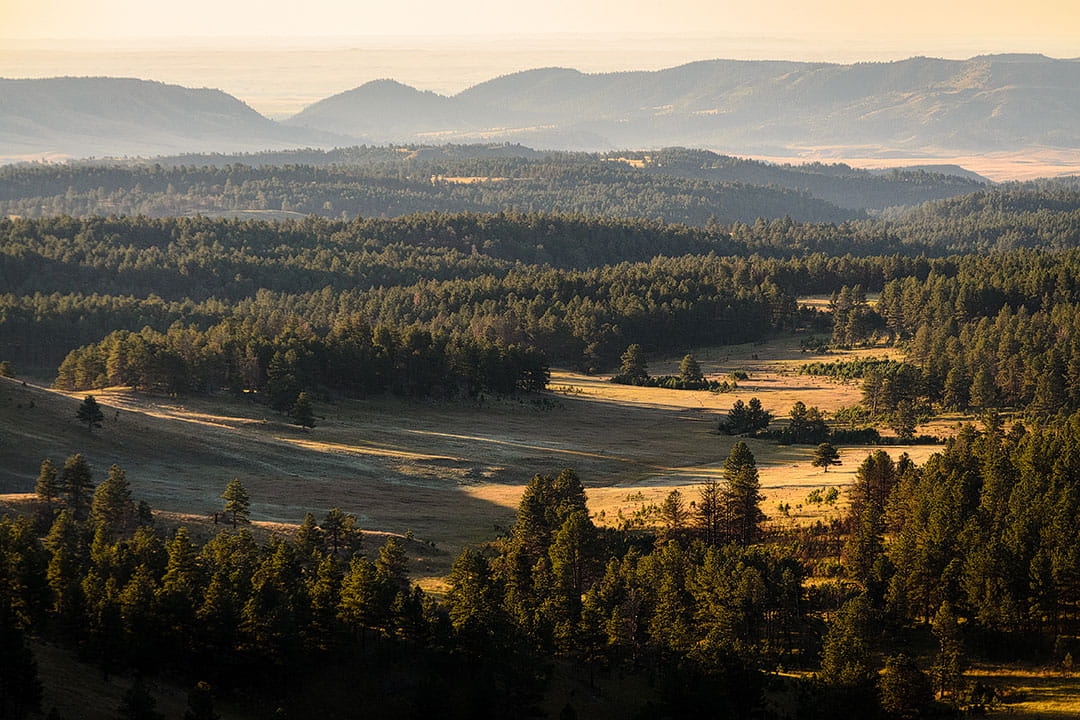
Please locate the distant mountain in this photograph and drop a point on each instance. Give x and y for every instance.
(920, 105)
(120, 116)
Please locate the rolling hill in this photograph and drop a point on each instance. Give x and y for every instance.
(919, 105)
(122, 116)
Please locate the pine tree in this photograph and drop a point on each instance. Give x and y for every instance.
(758, 417)
(957, 389)
(112, 507)
(361, 605)
(90, 413)
(48, 486)
(180, 584)
(393, 564)
(903, 420)
(905, 689)
(689, 370)
(572, 560)
(741, 496)
(340, 530)
(77, 481)
(237, 502)
(67, 564)
(474, 602)
(282, 384)
(308, 538)
(633, 368)
(324, 592)
(302, 413)
(738, 419)
(866, 544)
(846, 660)
(710, 511)
(673, 513)
(824, 456)
(948, 670)
(984, 391)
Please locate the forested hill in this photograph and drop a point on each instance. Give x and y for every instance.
(836, 183)
(986, 103)
(589, 187)
(580, 289)
(675, 185)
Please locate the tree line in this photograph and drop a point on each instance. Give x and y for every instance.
(353, 358)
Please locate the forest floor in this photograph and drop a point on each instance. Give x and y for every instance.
(451, 473)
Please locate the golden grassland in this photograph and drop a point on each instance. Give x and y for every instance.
(451, 473)
(1035, 693)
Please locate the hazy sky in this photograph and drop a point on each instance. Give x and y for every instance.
(1052, 24)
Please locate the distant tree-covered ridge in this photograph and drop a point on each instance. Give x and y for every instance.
(558, 184)
(578, 289)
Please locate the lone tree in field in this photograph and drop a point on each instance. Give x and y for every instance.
(824, 456)
(237, 502)
(741, 495)
(48, 485)
(77, 482)
(633, 368)
(689, 370)
(302, 412)
(90, 413)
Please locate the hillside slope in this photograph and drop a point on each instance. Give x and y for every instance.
(986, 103)
(124, 116)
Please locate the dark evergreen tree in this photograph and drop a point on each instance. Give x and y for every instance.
(340, 530)
(77, 481)
(847, 660)
(741, 495)
(90, 413)
(674, 514)
(237, 503)
(948, 669)
(905, 689)
(302, 413)
(824, 456)
(112, 507)
(689, 370)
(633, 368)
(711, 511)
(48, 486)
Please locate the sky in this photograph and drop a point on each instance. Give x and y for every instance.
(1051, 26)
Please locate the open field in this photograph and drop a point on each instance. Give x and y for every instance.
(1037, 693)
(1005, 166)
(450, 473)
